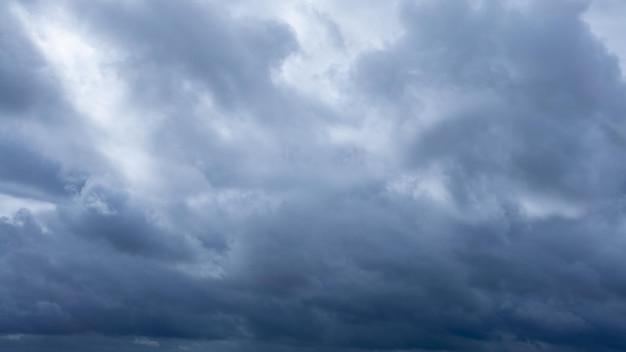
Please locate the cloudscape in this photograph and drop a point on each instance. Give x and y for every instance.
(312, 175)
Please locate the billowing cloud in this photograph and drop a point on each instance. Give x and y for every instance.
(311, 176)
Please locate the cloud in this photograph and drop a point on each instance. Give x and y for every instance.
(24, 85)
(306, 177)
(146, 342)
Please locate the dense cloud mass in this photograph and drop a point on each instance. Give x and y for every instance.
(341, 176)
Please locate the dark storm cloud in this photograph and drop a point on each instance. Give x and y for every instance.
(126, 228)
(295, 243)
(26, 172)
(386, 282)
(67, 285)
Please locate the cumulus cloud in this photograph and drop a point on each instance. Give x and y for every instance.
(323, 176)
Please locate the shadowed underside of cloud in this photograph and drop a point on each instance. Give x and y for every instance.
(169, 185)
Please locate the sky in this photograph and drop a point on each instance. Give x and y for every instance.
(312, 175)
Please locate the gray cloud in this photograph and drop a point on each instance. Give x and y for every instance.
(463, 193)
(169, 43)
(24, 85)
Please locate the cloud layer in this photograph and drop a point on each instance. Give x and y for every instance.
(311, 176)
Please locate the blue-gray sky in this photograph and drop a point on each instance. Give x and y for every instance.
(300, 175)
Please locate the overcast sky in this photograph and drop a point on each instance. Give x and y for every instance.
(312, 175)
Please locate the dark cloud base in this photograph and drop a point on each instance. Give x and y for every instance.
(271, 237)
